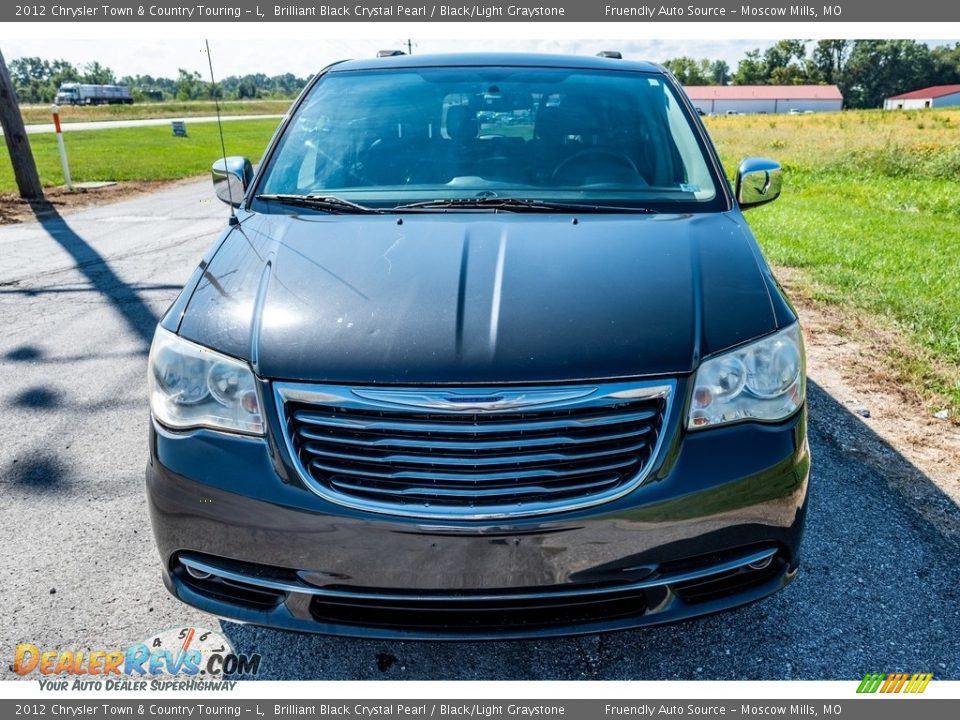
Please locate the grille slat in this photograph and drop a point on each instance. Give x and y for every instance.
(436, 444)
(485, 492)
(473, 461)
(470, 484)
(435, 460)
(475, 424)
(469, 475)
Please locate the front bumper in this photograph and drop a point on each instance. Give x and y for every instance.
(718, 525)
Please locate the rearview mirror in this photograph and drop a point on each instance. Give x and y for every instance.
(759, 181)
(231, 178)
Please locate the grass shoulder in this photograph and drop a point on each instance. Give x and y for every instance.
(869, 222)
(141, 153)
(41, 114)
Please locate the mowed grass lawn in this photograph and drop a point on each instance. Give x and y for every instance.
(870, 215)
(141, 153)
(40, 114)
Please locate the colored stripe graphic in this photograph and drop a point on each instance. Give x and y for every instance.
(918, 683)
(870, 683)
(894, 683)
(897, 682)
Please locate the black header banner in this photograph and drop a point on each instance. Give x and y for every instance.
(502, 709)
(371, 11)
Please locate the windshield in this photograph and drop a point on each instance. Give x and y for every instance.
(422, 135)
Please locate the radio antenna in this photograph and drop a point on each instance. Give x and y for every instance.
(223, 147)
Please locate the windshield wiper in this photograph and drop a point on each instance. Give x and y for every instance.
(515, 205)
(329, 203)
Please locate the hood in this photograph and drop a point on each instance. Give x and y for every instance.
(480, 297)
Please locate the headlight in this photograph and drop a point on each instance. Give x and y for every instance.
(765, 380)
(192, 386)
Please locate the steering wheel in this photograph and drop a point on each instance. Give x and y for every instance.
(611, 156)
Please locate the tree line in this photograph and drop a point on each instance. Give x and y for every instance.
(866, 71)
(37, 80)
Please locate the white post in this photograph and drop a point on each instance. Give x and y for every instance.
(63, 151)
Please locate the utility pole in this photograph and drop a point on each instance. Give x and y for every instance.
(21, 156)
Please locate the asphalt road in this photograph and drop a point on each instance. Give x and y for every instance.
(79, 296)
(112, 124)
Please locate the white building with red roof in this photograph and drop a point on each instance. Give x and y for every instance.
(730, 99)
(936, 96)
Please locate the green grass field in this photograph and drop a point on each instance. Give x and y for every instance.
(870, 214)
(40, 114)
(143, 153)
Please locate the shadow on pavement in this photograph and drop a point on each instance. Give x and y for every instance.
(38, 398)
(877, 590)
(135, 312)
(24, 353)
(33, 353)
(41, 472)
(34, 292)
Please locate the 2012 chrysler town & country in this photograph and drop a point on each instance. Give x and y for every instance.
(486, 351)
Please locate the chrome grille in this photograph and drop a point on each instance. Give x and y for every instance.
(473, 452)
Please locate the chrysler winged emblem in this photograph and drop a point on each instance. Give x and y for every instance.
(475, 400)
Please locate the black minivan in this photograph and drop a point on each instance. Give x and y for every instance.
(487, 350)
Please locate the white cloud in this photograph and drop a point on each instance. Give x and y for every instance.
(304, 53)
(306, 56)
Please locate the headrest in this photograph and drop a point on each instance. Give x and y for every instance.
(461, 123)
(548, 125)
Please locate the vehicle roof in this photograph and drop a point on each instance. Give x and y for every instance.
(579, 62)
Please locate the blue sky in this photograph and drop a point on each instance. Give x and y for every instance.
(305, 56)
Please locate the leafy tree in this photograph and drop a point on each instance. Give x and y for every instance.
(946, 64)
(96, 74)
(750, 70)
(784, 63)
(830, 59)
(23, 70)
(719, 73)
(247, 88)
(878, 69)
(188, 85)
(147, 87)
(36, 80)
(792, 74)
(288, 84)
(689, 71)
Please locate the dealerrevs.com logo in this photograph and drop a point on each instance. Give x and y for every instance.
(186, 658)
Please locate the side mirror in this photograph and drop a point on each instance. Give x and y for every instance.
(231, 178)
(759, 181)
